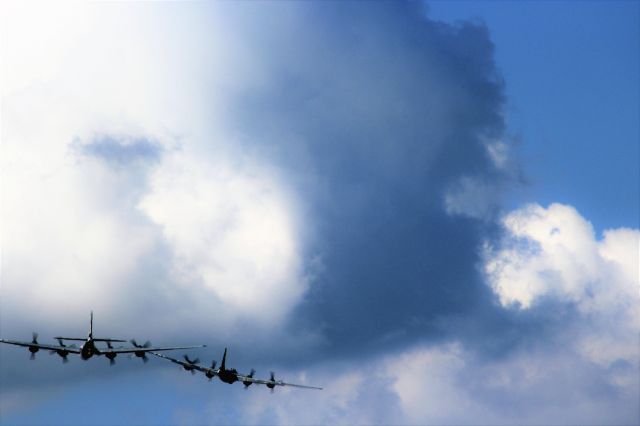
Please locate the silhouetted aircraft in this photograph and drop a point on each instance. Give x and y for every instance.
(89, 349)
(230, 375)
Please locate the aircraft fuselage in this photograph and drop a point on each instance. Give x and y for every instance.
(228, 376)
(88, 350)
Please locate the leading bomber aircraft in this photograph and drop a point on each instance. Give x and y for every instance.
(229, 375)
(89, 349)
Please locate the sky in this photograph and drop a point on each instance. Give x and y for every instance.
(430, 210)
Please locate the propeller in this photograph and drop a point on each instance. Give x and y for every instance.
(273, 379)
(248, 383)
(62, 352)
(194, 361)
(34, 349)
(141, 354)
(111, 355)
(191, 362)
(209, 374)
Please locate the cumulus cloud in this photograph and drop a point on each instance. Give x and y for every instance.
(553, 253)
(253, 186)
(447, 383)
(372, 158)
(583, 369)
(326, 184)
(232, 230)
(84, 189)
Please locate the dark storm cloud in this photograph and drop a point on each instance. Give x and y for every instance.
(373, 112)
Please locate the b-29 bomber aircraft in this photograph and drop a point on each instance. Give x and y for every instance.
(89, 349)
(229, 375)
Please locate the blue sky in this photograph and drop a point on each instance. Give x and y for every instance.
(430, 212)
(572, 88)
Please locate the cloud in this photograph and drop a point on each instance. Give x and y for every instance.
(450, 384)
(268, 187)
(317, 196)
(121, 151)
(446, 383)
(581, 369)
(231, 230)
(553, 253)
(371, 159)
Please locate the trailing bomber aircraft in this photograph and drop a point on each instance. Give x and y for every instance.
(89, 349)
(229, 375)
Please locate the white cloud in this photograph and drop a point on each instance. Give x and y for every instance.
(62, 240)
(449, 383)
(79, 233)
(426, 381)
(232, 229)
(554, 253)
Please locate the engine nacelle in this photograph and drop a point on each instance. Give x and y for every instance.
(248, 383)
(272, 385)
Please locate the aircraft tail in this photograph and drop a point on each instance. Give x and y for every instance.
(91, 326)
(224, 358)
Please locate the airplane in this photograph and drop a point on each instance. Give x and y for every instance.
(229, 375)
(88, 349)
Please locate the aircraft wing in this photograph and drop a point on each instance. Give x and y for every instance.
(142, 349)
(69, 349)
(188, 364)
(273, 382)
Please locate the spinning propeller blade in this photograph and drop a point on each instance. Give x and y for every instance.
(190, 361)
(248, 383)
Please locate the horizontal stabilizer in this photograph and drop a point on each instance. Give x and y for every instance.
(82, 339)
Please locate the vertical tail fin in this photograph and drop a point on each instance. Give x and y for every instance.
(91, 326)
(224, 358)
